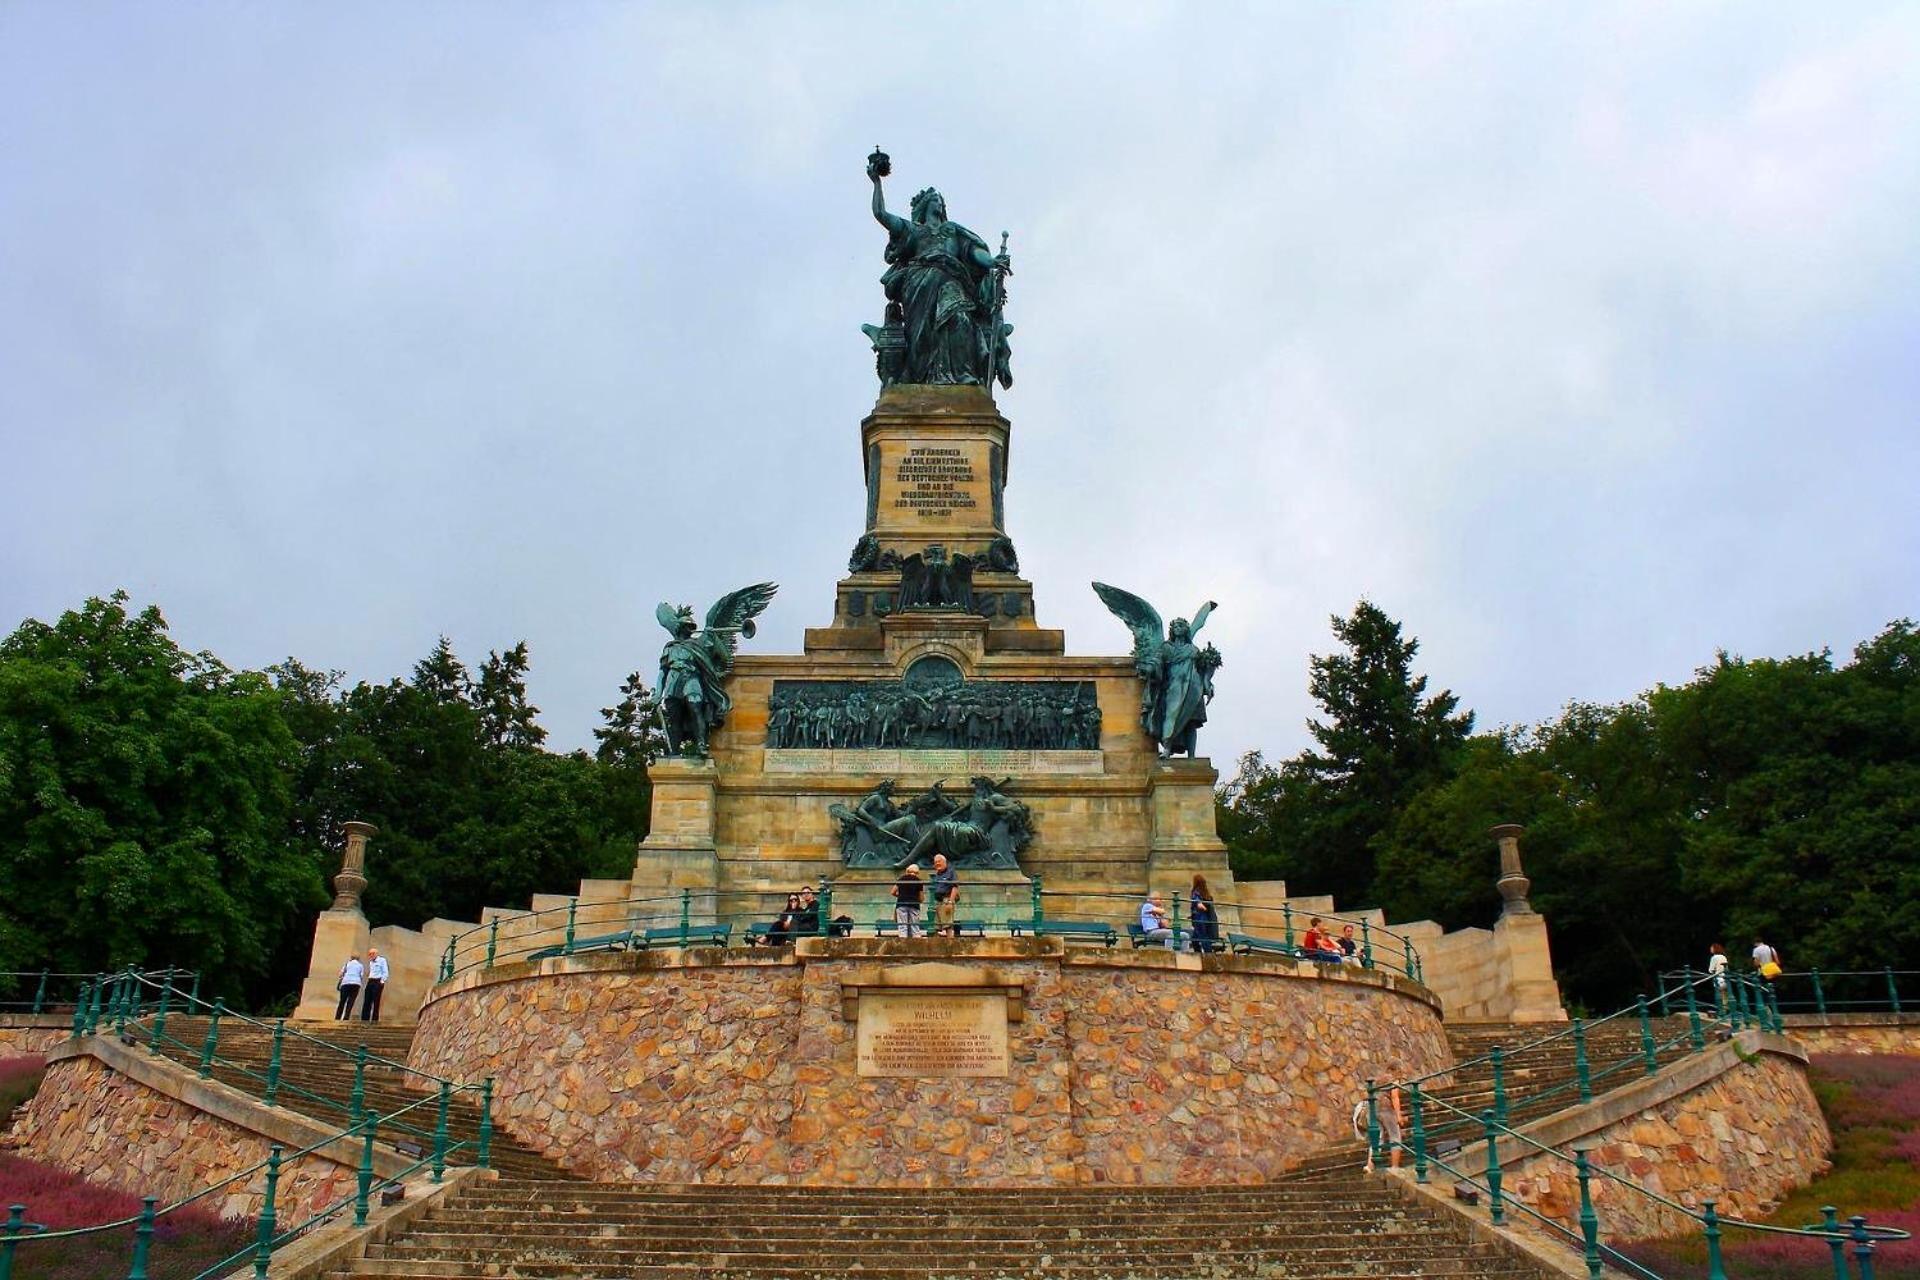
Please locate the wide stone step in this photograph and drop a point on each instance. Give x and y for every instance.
(1488, 1264)
(660, 1227)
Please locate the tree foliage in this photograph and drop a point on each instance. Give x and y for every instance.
(1775, 797)
(159, 808)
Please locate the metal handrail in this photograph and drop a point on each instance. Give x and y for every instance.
(567, 929)
(268, 1237)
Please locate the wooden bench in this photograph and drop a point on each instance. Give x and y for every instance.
(1093, 930)
(601, 942)
(693, 935)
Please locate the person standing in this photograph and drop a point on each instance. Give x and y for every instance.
(906, 901)
(352, 974)
(1766, 960)
(376, 983)
(946, 896)
(1206, 920)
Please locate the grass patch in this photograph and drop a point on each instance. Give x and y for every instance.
(1872, 1104)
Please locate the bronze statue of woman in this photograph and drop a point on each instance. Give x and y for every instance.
(947, 286)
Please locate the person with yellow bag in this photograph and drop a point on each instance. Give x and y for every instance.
(1766, 960)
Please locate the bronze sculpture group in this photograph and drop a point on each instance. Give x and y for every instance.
(694, 665)
(986, 829)
(1178, 673)
(1031, 715)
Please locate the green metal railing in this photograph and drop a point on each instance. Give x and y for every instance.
(271, 1234)
(1826, 991)
(137, 1007)
(41, 991)
(729, 918)
(1715, 1007)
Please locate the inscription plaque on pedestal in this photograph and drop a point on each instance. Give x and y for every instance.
(932, 1035)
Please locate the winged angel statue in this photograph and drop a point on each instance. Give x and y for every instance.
(1179, 674)
(696, 661)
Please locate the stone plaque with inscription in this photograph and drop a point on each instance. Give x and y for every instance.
(932, 1034)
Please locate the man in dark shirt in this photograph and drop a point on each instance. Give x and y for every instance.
(806, 922)
(946, 896)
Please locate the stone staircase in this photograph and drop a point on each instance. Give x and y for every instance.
(1336, 1225)
(316, 1080)
(1614, 1056)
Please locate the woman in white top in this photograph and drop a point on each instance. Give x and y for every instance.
(352, 974)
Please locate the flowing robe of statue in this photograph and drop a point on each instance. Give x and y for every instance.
(942, 290)
(1180, 692)
(947, 288)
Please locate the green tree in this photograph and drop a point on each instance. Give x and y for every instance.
(1383, 738)
(145, 803)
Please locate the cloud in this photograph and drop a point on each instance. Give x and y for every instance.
(1579, 340)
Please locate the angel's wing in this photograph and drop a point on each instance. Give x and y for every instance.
(668, 615)
(732, 615)
(1140, 617)
(1200, 618)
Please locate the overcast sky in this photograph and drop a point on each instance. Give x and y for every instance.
(1584, 339)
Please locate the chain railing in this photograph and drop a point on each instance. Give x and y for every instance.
(18, 1234)
(706, 918)
(1716, 1007)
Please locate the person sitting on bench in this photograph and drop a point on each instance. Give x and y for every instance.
(1319, 944)
(1153, 924)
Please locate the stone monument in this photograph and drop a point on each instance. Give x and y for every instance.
(933, 712)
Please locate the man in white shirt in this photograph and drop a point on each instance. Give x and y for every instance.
(376, 983)
(352, 973)
(1153, 924)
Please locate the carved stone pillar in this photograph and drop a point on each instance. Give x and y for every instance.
(1513, 883)
(352, 880)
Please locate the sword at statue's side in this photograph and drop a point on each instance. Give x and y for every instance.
(999, 289)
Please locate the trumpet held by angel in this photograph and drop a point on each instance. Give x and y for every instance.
(1178, 672)
(695, 663)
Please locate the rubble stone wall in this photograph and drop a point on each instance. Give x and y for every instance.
(1746, 1131)
(110, 1129)
(1126, 1067)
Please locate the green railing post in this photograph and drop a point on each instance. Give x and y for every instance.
(1494, 1205)
(1419, 1138)
(1773, 1008)
(1836, 1239)
(1374, 1153)
(1406, 955)
(826, 908)
(1589, 1220)
(686, 914)
(1039, 906)
(357, 1097)
(273, 1063)
(1661, 999)
(1819, 995)
(160, 1015)
(366, 1173)
(79, 1024)
(1710, 1228)
(485, 1156)
(1499, 1060)
(1695, 1035)
(1736, 1001)
(10, 1233)
(493, 940)
(142, 1239)
(573, 910)
(446, 962)
(1862, 1246)
(440, 1132)
(263, 1237)
(212, 1045)
(193, 994)
(40, 993)
(1648, 1049)
(1366, 945)
(1581, 1070)
(1286, 915)
(120, 998)
(1173, 942)
(1893, 990)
